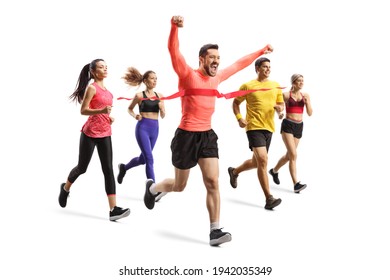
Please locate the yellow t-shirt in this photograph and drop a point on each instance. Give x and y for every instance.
(260, 110)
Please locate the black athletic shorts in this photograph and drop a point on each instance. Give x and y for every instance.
(188, 147)
(294, 128)
(259, 138)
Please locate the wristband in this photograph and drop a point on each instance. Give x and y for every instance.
(238, 116)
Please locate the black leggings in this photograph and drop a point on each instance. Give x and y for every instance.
(104, 147)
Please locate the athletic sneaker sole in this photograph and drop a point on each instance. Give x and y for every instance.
(301, 189)
(223, 239)
(272, 206)
(125, 214)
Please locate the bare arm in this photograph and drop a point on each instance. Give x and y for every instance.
(161, 105)
(279, 108)
(236, 111)
(136, 100)
(309, 109)
(85, 110)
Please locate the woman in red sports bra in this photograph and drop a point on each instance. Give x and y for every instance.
(292, 128)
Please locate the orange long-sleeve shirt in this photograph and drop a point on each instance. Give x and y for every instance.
(197, 110)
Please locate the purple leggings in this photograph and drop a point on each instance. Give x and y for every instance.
(146, 133)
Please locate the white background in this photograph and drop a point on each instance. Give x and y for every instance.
(336, 229)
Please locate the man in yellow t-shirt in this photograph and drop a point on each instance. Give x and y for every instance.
(259, 124)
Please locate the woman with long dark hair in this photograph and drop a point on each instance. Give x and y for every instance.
(96, 103)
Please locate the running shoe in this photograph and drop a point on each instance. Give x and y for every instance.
(63, 197)
(272, 202)
(122, 172)
(299, 187)
(275, 176)
(233, 178)
(118, 213)
(217, 237)
(149, 198)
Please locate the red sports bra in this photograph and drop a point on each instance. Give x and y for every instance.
(293, 106)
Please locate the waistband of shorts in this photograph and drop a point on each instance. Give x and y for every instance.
(293, 121)
(195, 132)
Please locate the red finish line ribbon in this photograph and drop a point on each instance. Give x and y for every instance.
(205, 92)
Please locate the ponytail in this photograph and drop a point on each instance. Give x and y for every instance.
(133, 77)
(83, 81)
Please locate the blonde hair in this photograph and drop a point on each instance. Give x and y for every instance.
(295, 77)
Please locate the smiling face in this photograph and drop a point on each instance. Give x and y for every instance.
(298, 83)
(263, 70)
(210, 62)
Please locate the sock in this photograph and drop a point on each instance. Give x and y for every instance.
(214, 225)
(152, 189)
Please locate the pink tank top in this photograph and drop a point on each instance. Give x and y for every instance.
(98, 126)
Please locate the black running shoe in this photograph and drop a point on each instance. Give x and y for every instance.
(217, 237)
(149, 198)
(63, 197)
(159, 195)
(299, 187)
(118, 213)
(272, 202)
(233, 178)
(275, 176)
(122, 172)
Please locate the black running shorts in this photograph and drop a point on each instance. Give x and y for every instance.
(259, 138)
(188, 147)
(292, 127)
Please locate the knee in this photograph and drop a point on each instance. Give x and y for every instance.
(148, 158)
(292, 156)
(179, 186)
(262, 161)
(211, 183)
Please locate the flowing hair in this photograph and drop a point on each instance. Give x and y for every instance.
(133, 77)
(83, 81)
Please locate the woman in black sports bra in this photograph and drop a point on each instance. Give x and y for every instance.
(147, 128)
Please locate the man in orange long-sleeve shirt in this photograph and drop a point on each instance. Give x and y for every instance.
(195, 142)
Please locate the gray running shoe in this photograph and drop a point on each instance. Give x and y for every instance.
(272, 202)
(233, 178)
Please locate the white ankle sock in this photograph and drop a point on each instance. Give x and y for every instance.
(152, 188)
(214, 225)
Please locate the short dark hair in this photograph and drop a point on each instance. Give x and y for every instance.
(203, 50)
(260, 60)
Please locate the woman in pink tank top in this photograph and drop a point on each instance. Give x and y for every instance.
(96, 103)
